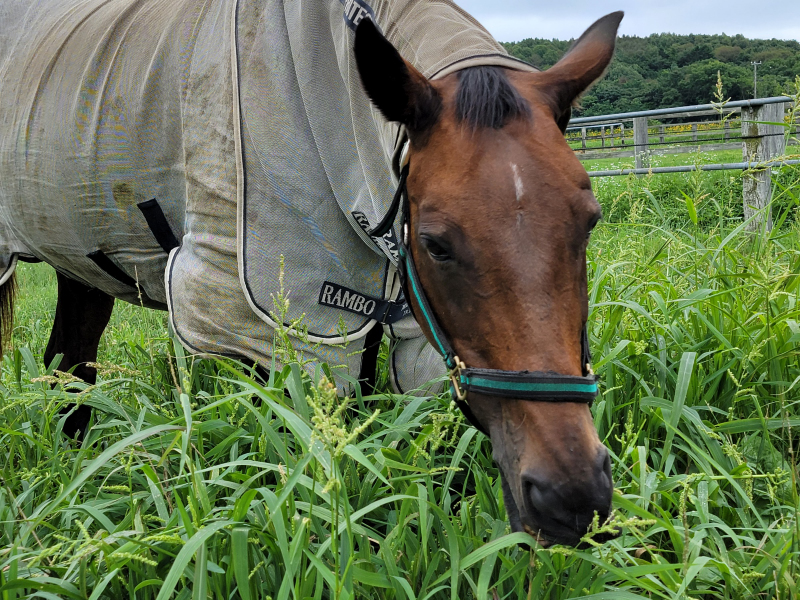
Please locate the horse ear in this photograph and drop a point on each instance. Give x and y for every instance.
(582, 65)
(400, 92)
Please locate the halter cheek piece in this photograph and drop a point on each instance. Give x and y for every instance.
(520, 385)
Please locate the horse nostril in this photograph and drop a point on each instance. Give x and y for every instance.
(543, 502)
(536, 492)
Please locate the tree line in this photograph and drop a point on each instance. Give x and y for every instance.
(666, 69)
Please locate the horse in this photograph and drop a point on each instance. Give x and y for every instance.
(484, 241)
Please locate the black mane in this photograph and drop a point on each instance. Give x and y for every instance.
(486, 98)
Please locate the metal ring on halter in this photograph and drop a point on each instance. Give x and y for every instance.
(455, 379)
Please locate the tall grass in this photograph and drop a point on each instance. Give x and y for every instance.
(659, 200)
(200, 481)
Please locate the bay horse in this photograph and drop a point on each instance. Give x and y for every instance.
(495, 217)
(499, 216)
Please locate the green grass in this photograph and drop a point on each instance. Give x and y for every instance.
(660, 199)
(596, 143)
(198, 482)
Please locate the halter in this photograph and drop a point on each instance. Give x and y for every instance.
(521, 385)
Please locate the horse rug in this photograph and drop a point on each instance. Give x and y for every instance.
(243, 124)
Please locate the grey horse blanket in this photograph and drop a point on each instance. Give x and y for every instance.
(246, 122)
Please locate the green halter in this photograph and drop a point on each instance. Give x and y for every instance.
(521, 385)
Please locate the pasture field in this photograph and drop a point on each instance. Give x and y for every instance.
(666, 160)
(197, 481)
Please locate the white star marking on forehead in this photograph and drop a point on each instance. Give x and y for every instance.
(517, 182)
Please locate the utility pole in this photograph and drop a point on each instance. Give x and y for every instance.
(755, 78)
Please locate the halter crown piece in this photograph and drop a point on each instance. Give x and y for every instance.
(520, 385)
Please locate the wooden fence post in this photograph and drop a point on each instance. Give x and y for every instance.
(602, 136)
(640, 142)
(583, 138)
(622, 134)
(760, 142)
(727, 128)
(694, 132)
(661, 129)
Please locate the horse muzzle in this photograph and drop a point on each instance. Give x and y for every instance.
(561, 511)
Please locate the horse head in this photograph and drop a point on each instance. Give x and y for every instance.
(499, 217)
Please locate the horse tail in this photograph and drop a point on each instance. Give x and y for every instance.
(8, 292)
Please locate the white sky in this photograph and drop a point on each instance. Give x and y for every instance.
(514, 20)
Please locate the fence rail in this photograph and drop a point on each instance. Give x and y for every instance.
(676, 111)
(761, 125)
(614, 140)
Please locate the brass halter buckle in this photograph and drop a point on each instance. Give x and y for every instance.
(455, 379)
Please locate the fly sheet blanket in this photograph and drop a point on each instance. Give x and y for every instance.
(246, 122)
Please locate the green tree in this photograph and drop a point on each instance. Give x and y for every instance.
(666, 69)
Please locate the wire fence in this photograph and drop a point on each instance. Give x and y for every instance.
(761, 124)
(677, 111)
(694, 142)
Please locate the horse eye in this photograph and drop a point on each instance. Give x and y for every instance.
(436, 251)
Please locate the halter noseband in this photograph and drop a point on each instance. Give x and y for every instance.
(520, 385)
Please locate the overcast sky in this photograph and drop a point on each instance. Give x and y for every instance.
(514, 20)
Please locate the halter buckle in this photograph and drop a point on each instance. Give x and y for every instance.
(455, 379)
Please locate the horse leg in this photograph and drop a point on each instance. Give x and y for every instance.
(82, 314)
(8, 293)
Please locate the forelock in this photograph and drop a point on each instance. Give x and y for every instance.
(486, 98)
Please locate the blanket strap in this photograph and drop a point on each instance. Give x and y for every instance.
(100, 258)
(158, 224)
(369, 359)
